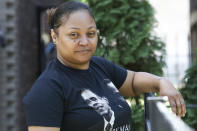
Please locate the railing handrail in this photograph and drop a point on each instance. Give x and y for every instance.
(167, 120)
(190, 106)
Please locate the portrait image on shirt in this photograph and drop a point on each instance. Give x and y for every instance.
(111, 86)
(101, 106)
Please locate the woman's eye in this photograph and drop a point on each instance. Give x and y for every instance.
(91, 34)
(74, 35)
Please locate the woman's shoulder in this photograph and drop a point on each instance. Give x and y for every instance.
(102, 62)
(52, 77)
(53, 72)
(99, 60)
(49, 83)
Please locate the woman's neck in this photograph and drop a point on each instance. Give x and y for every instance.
(83, 66)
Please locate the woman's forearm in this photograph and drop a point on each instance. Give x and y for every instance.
(145, 82)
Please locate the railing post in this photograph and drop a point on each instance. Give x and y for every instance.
(146, 114)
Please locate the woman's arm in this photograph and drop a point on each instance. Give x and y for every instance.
(39, 128)
(141, 82)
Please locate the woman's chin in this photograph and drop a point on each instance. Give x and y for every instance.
(84, 58)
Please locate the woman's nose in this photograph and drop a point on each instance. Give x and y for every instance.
(83, 41)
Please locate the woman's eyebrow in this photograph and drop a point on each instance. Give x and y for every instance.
(74, 28)
(92, 27)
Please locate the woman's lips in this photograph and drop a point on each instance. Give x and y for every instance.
(83, 51)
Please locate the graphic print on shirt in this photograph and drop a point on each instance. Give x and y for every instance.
(114, 90)
(111, 85)
(101, 106)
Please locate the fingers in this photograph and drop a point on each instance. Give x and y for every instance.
(175, 98)
(172, 104)
(178, 105)
(183, 106)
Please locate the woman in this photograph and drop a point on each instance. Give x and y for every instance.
(81, 92)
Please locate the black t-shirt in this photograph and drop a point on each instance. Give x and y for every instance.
(79, 100)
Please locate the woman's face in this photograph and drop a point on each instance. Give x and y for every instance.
(76, 39)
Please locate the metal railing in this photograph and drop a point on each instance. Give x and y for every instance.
(159, 118)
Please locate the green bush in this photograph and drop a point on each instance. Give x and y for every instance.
(125, 28)
(190, 94)
(126, 38)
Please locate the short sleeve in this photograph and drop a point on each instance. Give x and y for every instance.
(44, 104)
(116, 73)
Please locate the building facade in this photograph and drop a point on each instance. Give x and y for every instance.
(193, 26)
(20, 61)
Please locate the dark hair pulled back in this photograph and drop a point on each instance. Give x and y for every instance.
(56, 16)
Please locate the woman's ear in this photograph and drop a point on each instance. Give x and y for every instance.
(53, 36)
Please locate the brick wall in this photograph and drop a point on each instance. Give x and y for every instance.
(9, 67)
(2, 66)
(20, 59)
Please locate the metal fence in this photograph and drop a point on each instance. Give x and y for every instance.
(159, 118)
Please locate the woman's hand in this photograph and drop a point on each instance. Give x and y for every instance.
(175, 98)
